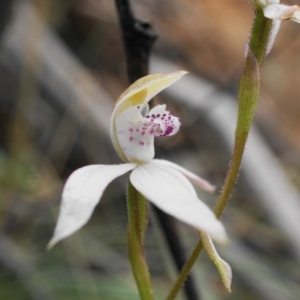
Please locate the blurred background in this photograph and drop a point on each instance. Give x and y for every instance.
(62, 67)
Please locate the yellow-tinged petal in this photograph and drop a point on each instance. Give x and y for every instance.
(222, 266)
(140, 93)
(144, 89)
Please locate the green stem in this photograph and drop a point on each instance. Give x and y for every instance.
(260, 35)
(185, 271)
(248, 96)
(137, 215)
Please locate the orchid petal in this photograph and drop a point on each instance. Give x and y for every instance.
(279, 11)
(169, 190)
(202, 183)
(144, 89)
(222, 266)
(139, 94)
(136, 133)
(82, 192)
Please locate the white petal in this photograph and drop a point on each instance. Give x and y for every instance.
(279, 11)
(205, 185)
(169, 190)
(81, 194)
(222, 266)
(140, 93)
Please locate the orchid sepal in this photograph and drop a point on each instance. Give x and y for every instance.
(223, 267)
(82, 192)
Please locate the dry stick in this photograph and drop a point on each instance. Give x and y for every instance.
(138, 38)
(248, 96)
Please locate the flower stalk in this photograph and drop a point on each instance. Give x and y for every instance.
(260, 37)
(248, 96)
(137, 224)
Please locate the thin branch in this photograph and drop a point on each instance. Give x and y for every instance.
(138, 39)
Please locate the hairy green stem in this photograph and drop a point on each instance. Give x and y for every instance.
(137, 216)
(185, 271)
(248, 96)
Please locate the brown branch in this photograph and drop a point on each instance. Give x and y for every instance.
(138, 38)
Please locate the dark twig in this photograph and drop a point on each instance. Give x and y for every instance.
(138, 39)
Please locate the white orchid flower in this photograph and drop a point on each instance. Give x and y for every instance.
(274, 10)
(163, 183)
(277, 12)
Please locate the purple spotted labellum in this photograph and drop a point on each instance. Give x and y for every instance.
(136, 132)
